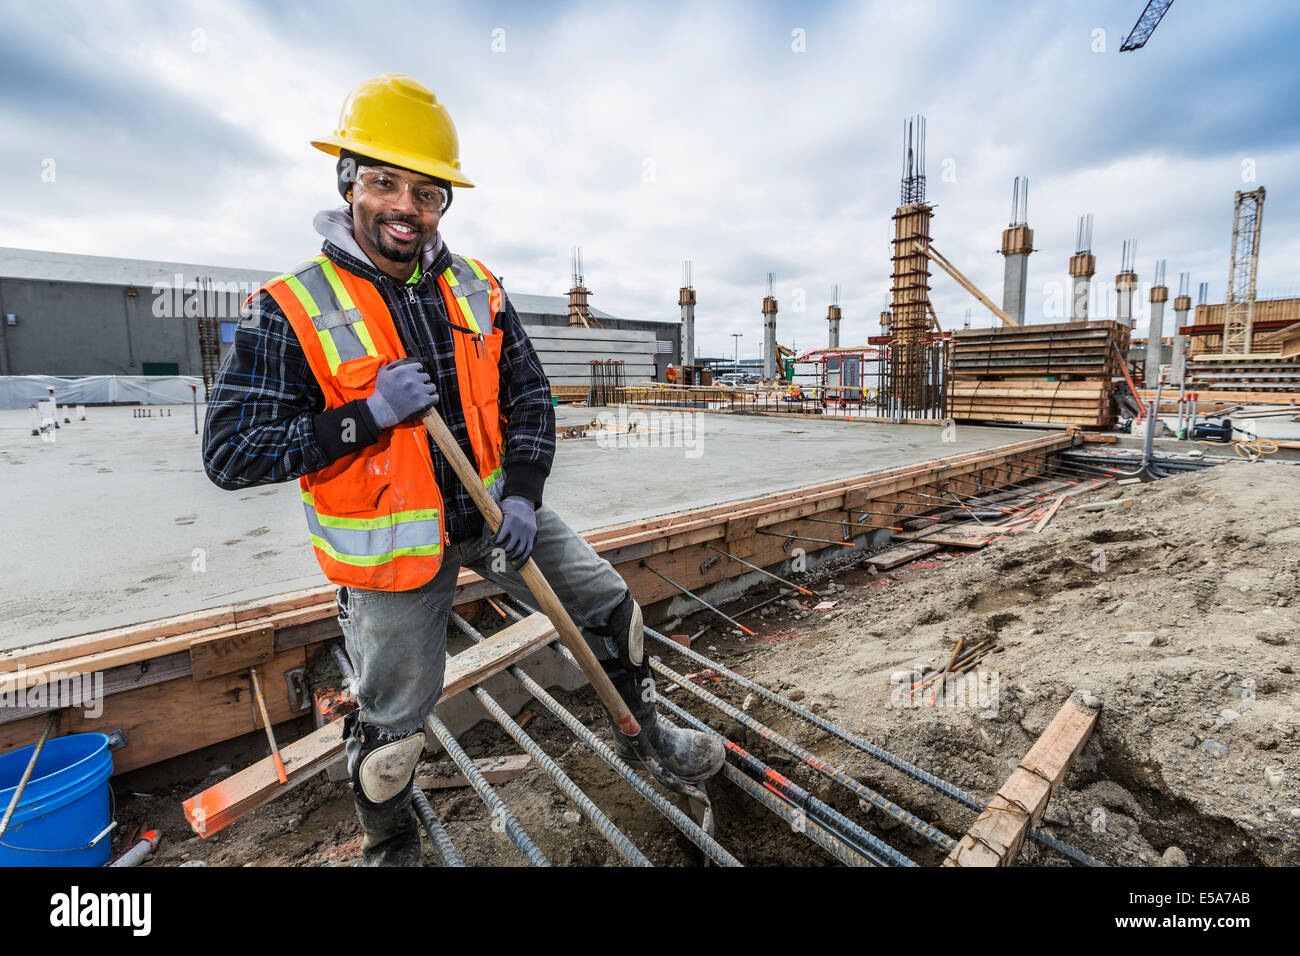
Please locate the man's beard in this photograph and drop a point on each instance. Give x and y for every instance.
(394, 253)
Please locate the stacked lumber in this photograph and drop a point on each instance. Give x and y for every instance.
(1061, 373)
(1065, 403)
(570, 393)
(1252, 373)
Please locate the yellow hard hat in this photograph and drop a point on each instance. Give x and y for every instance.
(396, 119)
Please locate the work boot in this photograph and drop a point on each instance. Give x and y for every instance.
(381, 787)
(692, 755)
(391, 835)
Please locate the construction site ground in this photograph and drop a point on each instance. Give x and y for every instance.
(1178, 612)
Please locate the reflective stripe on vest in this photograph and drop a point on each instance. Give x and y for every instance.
(339, 323)
(475, 295)
(474, 292)
(367, 542)
(494, 484)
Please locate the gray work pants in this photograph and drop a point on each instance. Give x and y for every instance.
(397, 640)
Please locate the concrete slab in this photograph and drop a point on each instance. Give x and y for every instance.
(114, 522)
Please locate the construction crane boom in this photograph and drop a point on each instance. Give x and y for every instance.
(1146, 25)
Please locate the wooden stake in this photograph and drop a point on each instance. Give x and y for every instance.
(943, 678)
(995, 837)
(266, 722)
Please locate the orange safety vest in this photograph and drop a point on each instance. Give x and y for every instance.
(375, 516)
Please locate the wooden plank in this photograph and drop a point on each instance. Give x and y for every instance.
(289, 601)
(995, 837)
(1095, 421)
(312, 603)
(501, 650)
(495, 769)
(1011, 332)
(224, 802)
(740, 528)
(67, 648)
(226, 653)
(133, 653)
(997, 389)
(739, 536)
(956, 536)
(1042, 522)
(893, 557)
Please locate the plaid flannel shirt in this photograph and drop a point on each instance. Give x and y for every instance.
(266, 420)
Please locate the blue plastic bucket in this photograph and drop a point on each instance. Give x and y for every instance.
(64, 806)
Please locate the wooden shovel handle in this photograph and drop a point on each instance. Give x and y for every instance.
(533, 577)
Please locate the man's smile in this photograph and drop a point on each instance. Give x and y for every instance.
(400, 231)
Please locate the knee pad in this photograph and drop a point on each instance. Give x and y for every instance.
(386, 763)
(624, 638)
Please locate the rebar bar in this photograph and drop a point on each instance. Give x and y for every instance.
(688, 827)
(804, 537)
(868, 844)
(698, 598)
(844, 524)
(622, 845)
(755, 567)
(865, 746)
(433, 826)
(500, 812)
(861, 790)
(792, 815)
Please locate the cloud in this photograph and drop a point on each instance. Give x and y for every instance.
(650, 134)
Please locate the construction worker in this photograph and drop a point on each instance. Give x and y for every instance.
(332, 366)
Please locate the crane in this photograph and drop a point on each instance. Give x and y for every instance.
(1146, 25)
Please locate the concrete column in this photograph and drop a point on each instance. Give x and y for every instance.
(686, 299)
(1155, 331)
(1083, 265)
(1017, 244)
(1125, 284)
(833, 314)
(578, 306)
(769, 338)
(1182, 305)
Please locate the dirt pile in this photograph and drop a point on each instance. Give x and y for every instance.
(1178, 612)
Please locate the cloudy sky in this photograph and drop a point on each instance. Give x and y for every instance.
(748, 137)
